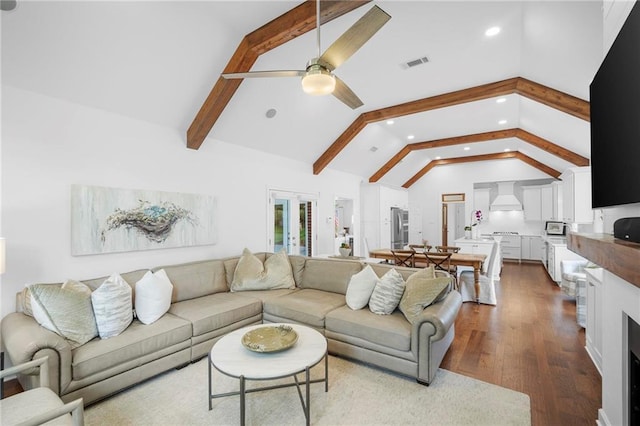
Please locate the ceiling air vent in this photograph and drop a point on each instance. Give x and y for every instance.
(415, 62)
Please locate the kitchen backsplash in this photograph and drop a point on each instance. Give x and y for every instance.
(509, 221)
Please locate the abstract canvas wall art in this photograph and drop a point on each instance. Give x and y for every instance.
(107, 220)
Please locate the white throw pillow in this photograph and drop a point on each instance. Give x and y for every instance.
(360, 287)
(65, 310)
(252, 274)
(112, 306)
(153, 296)
(387, 293)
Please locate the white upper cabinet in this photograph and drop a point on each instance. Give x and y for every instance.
(532, 202)
(576, 195)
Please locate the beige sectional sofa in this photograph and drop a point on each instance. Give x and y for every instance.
(203, 309)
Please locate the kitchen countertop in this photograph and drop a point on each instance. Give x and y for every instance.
(477, 240)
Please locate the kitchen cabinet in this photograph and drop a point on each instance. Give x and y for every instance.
(576, 195)
(593, 331)
(376, 203)
(532, 203)
(532, 247)
(546, 203)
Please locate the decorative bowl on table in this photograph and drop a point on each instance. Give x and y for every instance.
(270, 338)
(345, 251)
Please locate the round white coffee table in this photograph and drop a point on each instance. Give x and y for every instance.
(231, 358)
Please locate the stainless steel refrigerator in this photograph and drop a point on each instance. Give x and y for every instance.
(399, 228)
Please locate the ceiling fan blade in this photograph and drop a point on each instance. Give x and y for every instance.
(355, 37)
(346, 95)
(262, 74)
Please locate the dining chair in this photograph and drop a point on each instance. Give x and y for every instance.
(453, 269)
(447, 249)
(442, 261)
(487, 293)
(404, 257)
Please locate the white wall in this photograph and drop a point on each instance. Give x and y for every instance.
(49, 144)
(427, 192)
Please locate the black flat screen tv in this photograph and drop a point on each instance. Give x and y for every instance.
(615, 120)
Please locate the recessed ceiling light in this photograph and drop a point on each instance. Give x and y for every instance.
(502, 122)
(492, 31)
(438, 157)
(410, 137)
(466, 148)
(373, 149)
(501, 100)
(507, 150)
(271, 113)
(390, 122)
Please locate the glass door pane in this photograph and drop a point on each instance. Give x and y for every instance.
(281, 214)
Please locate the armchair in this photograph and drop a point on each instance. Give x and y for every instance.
(574, 283)
(41, 404)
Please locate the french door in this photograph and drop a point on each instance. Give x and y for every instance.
(291, 222)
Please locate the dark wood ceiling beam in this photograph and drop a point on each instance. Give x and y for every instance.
(299, 20)
(477, 93)
(554, 98)
(517, 85)
(484, 157)
(538, 165)
(528, 137)
(552, 148)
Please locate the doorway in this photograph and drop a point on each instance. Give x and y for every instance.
(291, 222)
(453, 215)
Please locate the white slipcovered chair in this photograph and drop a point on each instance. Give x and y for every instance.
(38, 405)
(487, 294)
(574, 283)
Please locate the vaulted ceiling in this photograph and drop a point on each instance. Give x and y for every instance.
(161, 62)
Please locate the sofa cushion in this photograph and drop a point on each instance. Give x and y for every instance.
(196, 279)
(360, 288)
(253, 274)
(297, 267)
(65, 310)
(387, 293)
(137, 341)
(329, 274)
(307, 306)
(113, 306)
(392, 331)
(209, 313)
(153, 296)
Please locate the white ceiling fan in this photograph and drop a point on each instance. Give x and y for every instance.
(318, 77)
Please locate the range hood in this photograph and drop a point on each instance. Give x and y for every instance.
(506, 199)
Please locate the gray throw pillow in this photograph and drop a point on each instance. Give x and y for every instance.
(65, 310)
(387, 293)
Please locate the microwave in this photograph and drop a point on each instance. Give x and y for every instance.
(554, 228)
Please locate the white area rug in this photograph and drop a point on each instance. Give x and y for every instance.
(358, 395)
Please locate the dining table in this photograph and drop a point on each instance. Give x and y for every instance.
(473, 260)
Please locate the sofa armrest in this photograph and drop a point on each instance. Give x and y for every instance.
(25, 340)
(441, 316)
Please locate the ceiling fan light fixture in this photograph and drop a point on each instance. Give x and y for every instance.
(318, 81)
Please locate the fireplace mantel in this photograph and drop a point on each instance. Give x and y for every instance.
(619, 257)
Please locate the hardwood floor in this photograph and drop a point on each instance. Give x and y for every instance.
(530, 342)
